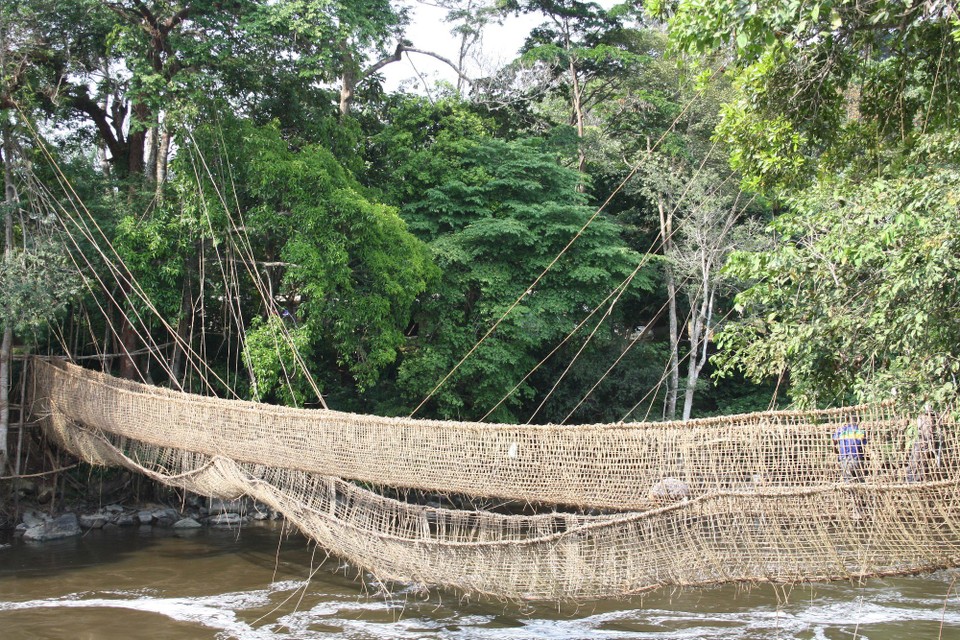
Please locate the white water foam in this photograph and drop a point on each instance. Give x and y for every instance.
(337, 615)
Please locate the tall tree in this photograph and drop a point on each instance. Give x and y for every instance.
(493, 214)
(586, 51)
(470, 18)
(709, 229)
(843, 113)
(658, 133)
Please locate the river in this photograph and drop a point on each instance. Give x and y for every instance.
(253, 584)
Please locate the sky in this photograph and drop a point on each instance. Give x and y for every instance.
(428, 31)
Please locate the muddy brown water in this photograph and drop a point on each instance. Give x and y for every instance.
(253, 584)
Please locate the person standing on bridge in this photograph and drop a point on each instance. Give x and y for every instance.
(850, 441)
(924, 444)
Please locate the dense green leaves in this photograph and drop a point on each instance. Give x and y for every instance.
(36, 285)
(859, 298)
(501, 214)
(832, 79)
(344, 270)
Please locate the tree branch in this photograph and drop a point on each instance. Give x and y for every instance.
(441, 59)
(147, 15)
(121, 10)
(398, 55)
(82, 102)
(380, 64)
(173, 21)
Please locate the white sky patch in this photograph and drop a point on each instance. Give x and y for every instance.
(429, 31)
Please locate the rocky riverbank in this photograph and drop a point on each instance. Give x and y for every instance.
(38, 525)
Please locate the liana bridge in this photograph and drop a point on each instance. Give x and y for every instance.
(593, 511)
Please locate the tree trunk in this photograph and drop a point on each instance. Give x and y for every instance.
(185, 325)
(346, 93)
(673, 371)
(694, 365)
(348, 81)
(699, 337)
(579, 119)
(6, 346)
(151, 163)
(137, 140)
(104, 160)
(128, 345)
(136, 147)
(6, 349)
(163, 158)
(461, 58)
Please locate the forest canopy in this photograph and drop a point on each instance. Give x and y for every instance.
(687, 208)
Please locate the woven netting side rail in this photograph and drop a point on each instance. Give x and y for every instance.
(619, 466)
(768, 534)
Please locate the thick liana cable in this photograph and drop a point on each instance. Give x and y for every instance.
(121, 276)
(249, 264)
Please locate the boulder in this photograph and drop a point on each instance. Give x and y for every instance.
(259, 511)
(93, 520)
(145, 517)
(127, 520)
(226, 520)
(166, 517)
(227, 506)
(187, 523)
(66, 526)
(34, 518)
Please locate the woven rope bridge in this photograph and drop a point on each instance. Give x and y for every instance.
(748, 498)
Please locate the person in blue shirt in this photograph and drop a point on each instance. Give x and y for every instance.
(850, 441)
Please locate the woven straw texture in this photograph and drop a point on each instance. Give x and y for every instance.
(762, 497)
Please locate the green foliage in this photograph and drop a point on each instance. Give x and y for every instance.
(581, 59)
(503, 212)
(582, 33)
(345, 269)
(270, 353)
(315, 25)
(767, 150)
(158, 249)
(860, 295)
(419, 146)
(36, 284)
(811, 73)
